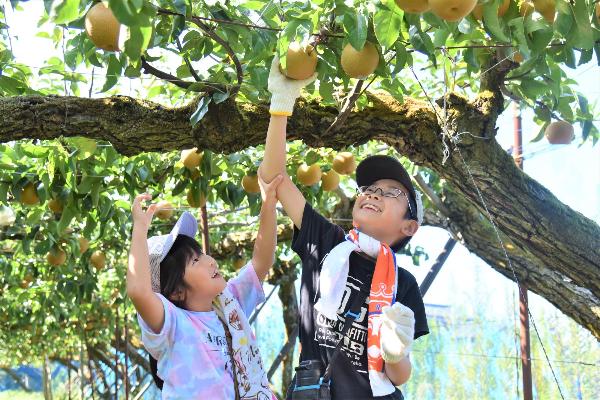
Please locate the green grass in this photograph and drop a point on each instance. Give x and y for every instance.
(21, 395)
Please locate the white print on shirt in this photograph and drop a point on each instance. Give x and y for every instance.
(328, 332)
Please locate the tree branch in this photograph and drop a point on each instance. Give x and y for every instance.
(187, 61)
(557, 243)
(227, 48)
(347, 107)
(198, 86)
(437, 202)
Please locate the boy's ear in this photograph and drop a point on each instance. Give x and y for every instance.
(410, 227)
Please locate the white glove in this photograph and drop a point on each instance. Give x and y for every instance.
(397, 332)
(285, 91)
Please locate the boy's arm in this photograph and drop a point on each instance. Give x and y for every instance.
(139, 287)
(396, 338)
(285, 91)
(399, 372)
(274, 163)
(263, 254)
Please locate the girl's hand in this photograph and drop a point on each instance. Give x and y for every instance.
(142, 218)
(268, 191)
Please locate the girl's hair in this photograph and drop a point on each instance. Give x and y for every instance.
(172, 271)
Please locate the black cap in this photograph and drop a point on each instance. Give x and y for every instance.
(374, 168)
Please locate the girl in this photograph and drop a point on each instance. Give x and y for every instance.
(193, 322)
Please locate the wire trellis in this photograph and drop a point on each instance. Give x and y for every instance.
(456, 141)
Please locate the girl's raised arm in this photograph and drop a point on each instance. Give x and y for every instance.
(263, 255)
(139, 287)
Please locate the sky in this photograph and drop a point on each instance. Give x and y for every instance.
(570, 172)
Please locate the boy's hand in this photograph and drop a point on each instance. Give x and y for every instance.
(397, 332)
(285, 91)
(268, 191)
(142, 218)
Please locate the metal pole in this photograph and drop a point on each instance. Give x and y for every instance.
(523, 300)
(435, 268)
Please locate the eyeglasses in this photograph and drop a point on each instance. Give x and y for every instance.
(392, 193)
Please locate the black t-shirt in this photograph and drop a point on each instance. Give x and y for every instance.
(319, 335)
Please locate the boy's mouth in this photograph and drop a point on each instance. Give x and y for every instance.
(215, 274)
(369, 206)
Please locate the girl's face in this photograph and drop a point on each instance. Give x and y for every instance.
(202, 276)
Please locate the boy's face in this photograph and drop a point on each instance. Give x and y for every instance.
(383, 218)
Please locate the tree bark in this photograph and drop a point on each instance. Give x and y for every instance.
(47, 378)
(287, 294)
(554, 248)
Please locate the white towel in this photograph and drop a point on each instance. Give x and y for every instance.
(334, 272)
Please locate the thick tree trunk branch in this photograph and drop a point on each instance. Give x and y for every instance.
(557, 256)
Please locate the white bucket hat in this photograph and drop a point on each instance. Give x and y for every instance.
(159, 246)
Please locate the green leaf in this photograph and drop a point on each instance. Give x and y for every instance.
(568, 56)
(113, 72)
(95, 192)
(180, 6)
(138, 41)
(87, 183)
(34, 151)
(3, 192)
(355, 25)
(422, 43)
(583, 36)
(125, 11)
(517, 30)
(586, 128)
(533, 88)
(11, 86)
(401, 58)
(219, 97)
(565, 19)
(132, 72)
(233, 194)
(86, 146)
(441, 35)
(466, 26)
(586, 56)
(312, 157)
(540, 34)
(298, 30)
(491, 22)
(540, 134)
(66, 11)
(48, 6)
(387, 26)
(201, 110)
(583, 104)
(69, 212)
(206, 166)
(326, 90)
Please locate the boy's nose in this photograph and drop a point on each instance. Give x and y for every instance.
(374, 196)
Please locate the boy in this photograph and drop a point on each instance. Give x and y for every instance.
(373, 359)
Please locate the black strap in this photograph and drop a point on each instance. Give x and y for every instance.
(351, 315)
